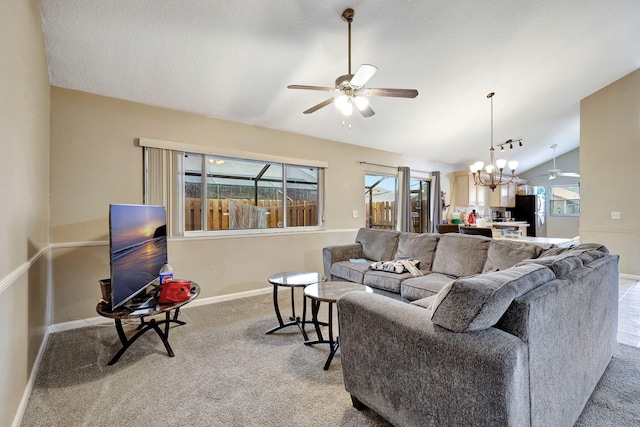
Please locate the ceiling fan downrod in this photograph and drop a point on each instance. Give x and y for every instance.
(347, 15)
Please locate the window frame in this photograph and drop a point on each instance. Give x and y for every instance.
(551, 200)
(175, 186)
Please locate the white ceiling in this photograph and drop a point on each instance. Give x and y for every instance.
(234, 59)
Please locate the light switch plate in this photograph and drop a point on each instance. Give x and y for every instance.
(615, 215)
(355, 213)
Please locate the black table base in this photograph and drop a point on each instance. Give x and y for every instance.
(144, 326)
(334, 344)
(293, 319)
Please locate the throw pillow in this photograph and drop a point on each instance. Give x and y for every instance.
(475, 303)
(397, 267)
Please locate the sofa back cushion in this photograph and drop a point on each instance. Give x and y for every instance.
(460, 255)
(417, 246)
(378, 245)
(582, 246)
(478, 302)
(503, 254)
(560, 264)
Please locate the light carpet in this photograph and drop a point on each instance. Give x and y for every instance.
(227, 372)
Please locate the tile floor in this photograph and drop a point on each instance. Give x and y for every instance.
(629, 312)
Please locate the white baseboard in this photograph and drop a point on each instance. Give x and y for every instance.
(96, 321)
(629, 276)
(17, 420)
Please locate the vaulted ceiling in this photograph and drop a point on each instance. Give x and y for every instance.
(233, 60)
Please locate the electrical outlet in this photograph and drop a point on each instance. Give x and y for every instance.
(615, 215)
(355, 213)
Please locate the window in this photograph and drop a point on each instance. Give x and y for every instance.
(207, 189)
(226, 193)
(380, 193)
(564, 200)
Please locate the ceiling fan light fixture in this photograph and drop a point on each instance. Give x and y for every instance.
(347, 110)
(352, 86)
(361, 102)
(341, 102)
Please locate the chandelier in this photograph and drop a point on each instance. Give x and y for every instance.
(492, 175)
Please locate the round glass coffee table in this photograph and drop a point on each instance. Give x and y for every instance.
(328, 292)
(293, 279)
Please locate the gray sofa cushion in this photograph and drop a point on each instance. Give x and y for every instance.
(425, 302)
(378, 245)
(589, 255)
(417, 246)
(430, 284)
(384, 280)
(560, 264)
(476, 303)
(503, 254)
(460, 255)
(582, 246)
(350, 271)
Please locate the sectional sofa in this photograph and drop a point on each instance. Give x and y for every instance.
(492, 333)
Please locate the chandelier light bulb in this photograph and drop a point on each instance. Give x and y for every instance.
(489, 168)
(501, 163)
(513, 164)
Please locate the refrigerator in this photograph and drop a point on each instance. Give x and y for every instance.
(532, 210)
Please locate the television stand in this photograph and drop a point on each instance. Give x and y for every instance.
(148, 308)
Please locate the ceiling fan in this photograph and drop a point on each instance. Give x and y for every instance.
(555, 172)
(350, 88)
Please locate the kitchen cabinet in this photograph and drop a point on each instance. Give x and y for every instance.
(504, 196)
(466, 192)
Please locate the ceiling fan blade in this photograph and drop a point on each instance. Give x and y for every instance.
(570, 174)
(362, 76)
(328, 89)
(319, 106)
(366, 111)
(396, 93)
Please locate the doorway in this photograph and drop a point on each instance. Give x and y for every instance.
(420, 205)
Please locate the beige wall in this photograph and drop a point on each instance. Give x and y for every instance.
(557, 226)
(95, 161)
(24, 212)
(610, 172)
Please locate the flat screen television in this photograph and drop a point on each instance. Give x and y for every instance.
(137, 247)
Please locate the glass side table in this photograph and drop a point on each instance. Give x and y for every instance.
(293, 280)
(329, 292)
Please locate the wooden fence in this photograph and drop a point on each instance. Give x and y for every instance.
(382, 215)
(299, 213)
